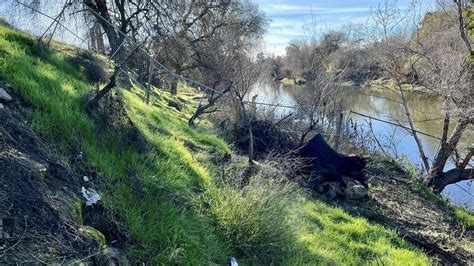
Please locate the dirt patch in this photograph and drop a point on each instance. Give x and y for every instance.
(399, 202)
(37, 198)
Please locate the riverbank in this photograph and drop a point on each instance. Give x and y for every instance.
(384, 104)
(387, 84)
(398, 200)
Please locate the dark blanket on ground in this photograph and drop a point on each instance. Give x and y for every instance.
(327, 163)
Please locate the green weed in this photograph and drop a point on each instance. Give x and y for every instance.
(464, 217)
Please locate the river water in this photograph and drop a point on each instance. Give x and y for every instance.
(379, 103)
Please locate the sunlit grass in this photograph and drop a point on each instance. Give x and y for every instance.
(151, 192)
(465, 217)
(331, 236)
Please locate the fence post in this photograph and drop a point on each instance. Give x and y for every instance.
(237, 106)
(253, 114)
(338, 140)
(251, 144)
(151, 67)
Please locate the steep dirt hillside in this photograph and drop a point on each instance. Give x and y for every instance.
(38, 194)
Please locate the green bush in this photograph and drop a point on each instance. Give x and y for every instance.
(4, 23)
(93, 67)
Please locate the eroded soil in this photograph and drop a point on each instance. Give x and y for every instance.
(37, 198)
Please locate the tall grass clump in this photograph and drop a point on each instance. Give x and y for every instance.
(464, 217)
(254, 220)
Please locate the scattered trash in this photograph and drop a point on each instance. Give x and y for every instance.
(91, 196)
(86, 179)
(233, 262)
(80, 156)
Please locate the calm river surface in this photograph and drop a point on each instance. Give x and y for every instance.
(376, 103)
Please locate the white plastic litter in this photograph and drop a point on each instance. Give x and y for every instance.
(91, 196)
(4, 95)
(233, 262)
(86, 179)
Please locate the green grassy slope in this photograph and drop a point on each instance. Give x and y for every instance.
(170, 199)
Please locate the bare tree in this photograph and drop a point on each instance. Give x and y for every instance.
(319, 105)
(223, 59)
(189, 25)
(436, 54)
(445, 69)
(247, 73)
(117, 20)
(316, 65)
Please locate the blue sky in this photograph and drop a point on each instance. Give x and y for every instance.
(288, 16)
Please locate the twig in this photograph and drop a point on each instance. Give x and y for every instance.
(38, 259)
(369, 122)
(283, 119)
(88, 257)
(19, 240)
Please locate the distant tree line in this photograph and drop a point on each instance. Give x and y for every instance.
(433, 51)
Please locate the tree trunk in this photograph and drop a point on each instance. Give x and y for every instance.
(97, 40)
(101, 13)
(91, 106)
(123, 79)
(199, 110)
(151, 67)
(237, 107)
(202, 109)
(436, 174)
(442, 180)
(468, 157)
(251, 144)
(423, 157)
(174, 87)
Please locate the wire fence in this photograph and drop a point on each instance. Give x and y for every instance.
(142, 69)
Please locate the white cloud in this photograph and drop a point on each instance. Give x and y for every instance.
(288, 17)
(286, 9)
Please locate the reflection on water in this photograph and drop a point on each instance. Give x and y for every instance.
(382, 104)
(428, 118)
(276, 94)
